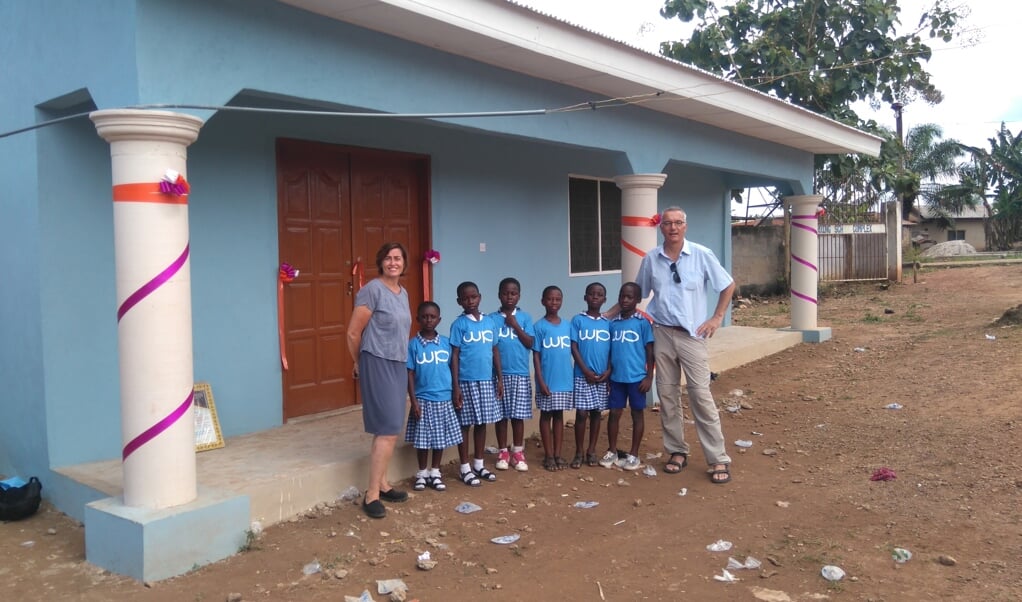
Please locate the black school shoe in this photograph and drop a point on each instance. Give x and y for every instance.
(374, 509)
(394, 495)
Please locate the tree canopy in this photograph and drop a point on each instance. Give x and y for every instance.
(823, 55)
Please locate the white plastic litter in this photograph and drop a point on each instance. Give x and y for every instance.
(991, 337)
(506, 539)
(586, 504)
(893, 406)
(743, 443)
(312, 568)
(385, 586)
(832, 573)
(491, 450)
(424, 557)
(726, 577)
(901, 555)
(256, 528)
(649, 471)
(859, 349)
(750, 563)
(467, 508)
(350, 494)
(683, 492)
(719, 546)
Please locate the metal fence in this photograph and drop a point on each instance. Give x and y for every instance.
(852, 252)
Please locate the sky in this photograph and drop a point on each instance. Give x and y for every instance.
(977, 78)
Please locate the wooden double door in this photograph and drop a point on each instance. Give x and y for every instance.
(336, 207)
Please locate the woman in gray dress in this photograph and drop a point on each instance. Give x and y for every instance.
(378, 342)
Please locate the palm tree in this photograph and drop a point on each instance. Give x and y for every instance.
(926, 159)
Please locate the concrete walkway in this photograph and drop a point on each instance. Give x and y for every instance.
(289, 469)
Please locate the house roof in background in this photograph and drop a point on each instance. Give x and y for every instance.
(510, 36)
(978, 213)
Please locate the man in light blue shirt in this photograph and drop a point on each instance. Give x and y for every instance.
(679, 273)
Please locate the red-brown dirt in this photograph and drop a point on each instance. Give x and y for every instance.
(801, 497)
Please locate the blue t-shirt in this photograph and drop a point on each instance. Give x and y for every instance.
(592, 335)
(553, 344)
(514, 356)
(628, 340)
(475, 340)
(430, 364)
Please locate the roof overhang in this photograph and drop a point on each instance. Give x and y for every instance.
(514, 37)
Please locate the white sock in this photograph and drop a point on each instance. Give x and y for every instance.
(518, 449)
(465, 468)
(503, 449)
(422, 473)
(477, 463)
(435, 473)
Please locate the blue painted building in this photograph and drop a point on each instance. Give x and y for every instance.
(478, 128)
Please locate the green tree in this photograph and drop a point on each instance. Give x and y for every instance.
(823, 55)
(994, 175)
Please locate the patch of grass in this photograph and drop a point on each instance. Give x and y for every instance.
(251, 542)
(871, 319)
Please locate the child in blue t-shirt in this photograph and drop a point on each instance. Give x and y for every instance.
(432, 422)
(590, 347)
(476, 364)
(631, 374)
(514, 340)
(552, 362)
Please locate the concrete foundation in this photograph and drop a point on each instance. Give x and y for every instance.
(151, 545)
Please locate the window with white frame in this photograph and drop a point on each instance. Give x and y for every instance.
(595, 225)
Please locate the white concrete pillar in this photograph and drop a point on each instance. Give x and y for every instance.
(892, 218)
(805, 253)
(638, 220)
(154, 311)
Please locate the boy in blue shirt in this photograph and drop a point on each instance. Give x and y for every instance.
(475, 362)
(432, 422)
(631, 374)
(590, 348)
(514, 341)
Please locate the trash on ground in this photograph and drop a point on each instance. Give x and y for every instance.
(757, 433)
(256, 528)
(726, 577)
(683, 492)
(586, 504)
(901, 555)
(424, 562)
(991, 337)
(467, 508)
(736, 393)
(832, 573)
(719, 546)
(620, 522)
(883, 474)
(365, 597)
(654, 456)
(743, 443)
(350, 494)
(506, 539)
(859, 349)
(312, 568)
(750, 563)
(385, 586)
(893, 406)
(649, 471)
(490, 449)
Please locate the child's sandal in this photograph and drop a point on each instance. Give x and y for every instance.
(486, 475)
(469, 478)
(592, 460)
(576, 462)
(420, 484)
(561, 463)
(437, 484)
(550, 464)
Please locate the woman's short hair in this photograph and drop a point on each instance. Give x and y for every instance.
(385, 250)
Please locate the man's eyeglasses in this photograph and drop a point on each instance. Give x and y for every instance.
(676, 223)
(674, 271)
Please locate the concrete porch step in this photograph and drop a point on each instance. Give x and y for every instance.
(291, 468)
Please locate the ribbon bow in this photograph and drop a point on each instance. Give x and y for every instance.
(287, 272)
(174, 183)
(432, 256)
(631, 220)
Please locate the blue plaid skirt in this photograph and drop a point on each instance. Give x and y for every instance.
(590, 396)
(558, 400)
(478, 403)
(438, 427)
(517, 401)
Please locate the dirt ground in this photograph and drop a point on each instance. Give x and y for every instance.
(801, 498)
